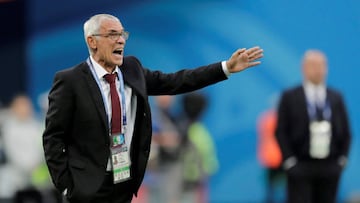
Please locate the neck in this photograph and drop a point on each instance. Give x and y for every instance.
(108, 67)
(314, 83)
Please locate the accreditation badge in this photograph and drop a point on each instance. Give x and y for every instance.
(320, 138)
(120, 159)
(117, 140)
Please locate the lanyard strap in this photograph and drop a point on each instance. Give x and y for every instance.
(122, 94)
(326, 110)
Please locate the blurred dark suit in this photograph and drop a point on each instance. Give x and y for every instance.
(307, 175)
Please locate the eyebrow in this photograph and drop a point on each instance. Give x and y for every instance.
(115, 31)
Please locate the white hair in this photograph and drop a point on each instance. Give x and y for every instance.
(92, 25)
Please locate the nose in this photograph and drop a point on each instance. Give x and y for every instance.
(121, 40)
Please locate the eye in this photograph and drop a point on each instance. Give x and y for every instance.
(114, 34)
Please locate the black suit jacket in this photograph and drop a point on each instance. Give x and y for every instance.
(76, 141)
(292, 130)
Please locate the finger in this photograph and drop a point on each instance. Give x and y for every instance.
(240, 51)
(255, 63)
(252, 50)
(256, 57)
(255, 52)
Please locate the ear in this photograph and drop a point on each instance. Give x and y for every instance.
(91, 42)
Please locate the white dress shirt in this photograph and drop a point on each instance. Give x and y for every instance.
(315, 94)
(130, 101)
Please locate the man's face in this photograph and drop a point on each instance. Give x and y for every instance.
(315, 68)
(164, 101)
(107, 51)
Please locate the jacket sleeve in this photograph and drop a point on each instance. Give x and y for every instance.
(282, 128)
(56, 127)
(345, 129)
(184, 80)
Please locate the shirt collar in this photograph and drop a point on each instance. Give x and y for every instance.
(311, 89)
(99, 70)
(312, 86)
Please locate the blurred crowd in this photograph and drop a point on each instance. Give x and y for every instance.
(183, 153)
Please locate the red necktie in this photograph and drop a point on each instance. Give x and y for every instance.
(115, 104)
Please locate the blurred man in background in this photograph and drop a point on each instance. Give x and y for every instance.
(199, 157)
(314, 135)
(167, 138)
(21, 136)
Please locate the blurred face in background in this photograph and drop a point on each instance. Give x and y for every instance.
(315, 67)
(164, 101)
(22, 107)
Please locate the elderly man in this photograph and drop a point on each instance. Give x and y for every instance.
(313, 134)
(98, 125)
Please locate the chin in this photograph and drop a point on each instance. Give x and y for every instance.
(119, 62)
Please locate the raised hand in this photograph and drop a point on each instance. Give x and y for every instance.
(243, 58)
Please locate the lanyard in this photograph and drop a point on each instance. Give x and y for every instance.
(326, 110)
(122, 94)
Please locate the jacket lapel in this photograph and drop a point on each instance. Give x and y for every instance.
(132, 79)
(303, 104)
(95, 92)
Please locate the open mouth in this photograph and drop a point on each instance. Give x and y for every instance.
(118, 51)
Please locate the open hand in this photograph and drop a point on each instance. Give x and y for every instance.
(243, 58)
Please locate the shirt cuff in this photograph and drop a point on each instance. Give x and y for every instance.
(65, 192)
(342, 161)
(225, 68)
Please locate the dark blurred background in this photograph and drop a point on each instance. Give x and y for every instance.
(12, 49)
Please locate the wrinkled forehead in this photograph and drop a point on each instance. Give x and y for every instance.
(111, 25)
